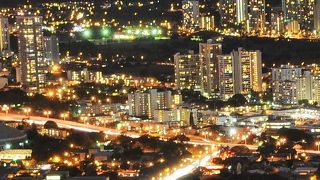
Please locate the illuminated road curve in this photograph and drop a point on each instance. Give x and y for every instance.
(65, 124)
(189, 168)
(109, 131)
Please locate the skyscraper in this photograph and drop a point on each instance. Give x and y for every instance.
(242, 11)
(31, 52)
(191, 14)
(208, 60)
(317, 16)
(4, 36)
(187, 71)
(226, 76)
(301, 11)
(284, 86)
(257, 15)
(51, 49)
(247, 71)
(227, 9)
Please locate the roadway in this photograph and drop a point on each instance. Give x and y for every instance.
(91, 128)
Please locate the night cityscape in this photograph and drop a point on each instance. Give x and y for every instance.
(160, 89)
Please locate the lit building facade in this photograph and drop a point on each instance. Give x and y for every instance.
(226, 76)
(191, 14)
(51, 49)
(284, 85)
(145, 104)
(247, 71)
(227, 10)
(317, 16)
(208, 53)
(242, 11)
(187, 71)
(4, 36)
(207, 23)
(257, 15)
(301, 11)
(277, 21)
(31, 52)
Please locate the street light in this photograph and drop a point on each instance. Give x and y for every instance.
(64, 115)
(244, 137)
(5, 108)
(27, 110)
(47, 113)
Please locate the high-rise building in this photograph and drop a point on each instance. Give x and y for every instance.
(257, 15)
(304, 86)
(4, 36)
(316, 88)
(276, 21)
(226, 76)
(146, 103)
(31, 52)
(208, 60)
(191, 14)
(227, 9)
(301, 11)
(51, 49)
(139, 104)
(317, 16)
(187, 71)
(242, 11)
(247, 71)
(284, 83)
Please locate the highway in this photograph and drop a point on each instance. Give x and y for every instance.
(91, 128)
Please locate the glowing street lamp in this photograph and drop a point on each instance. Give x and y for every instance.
(27, 110)
(244, 137)
(5, 108)
(47, 113)
(64, 115)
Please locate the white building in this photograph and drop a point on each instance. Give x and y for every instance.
(145, 104)
(31, 52)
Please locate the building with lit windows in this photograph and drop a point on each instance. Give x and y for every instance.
(284, 86)
(179, 115)
(31, 52)
(301, 11)
(208, 60)
(276, 21)
(4, 36)
(84, 75)
(51, 49)
(139, 104)
(187, 71)
(226, 76)
(257, 15)
(242, 11)
(290, 84)
(227, 10)
(144, 104)
(207, 23)
(317, 16)
(304, 86)
(316, 88)
(247, 71)
(191, 15)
